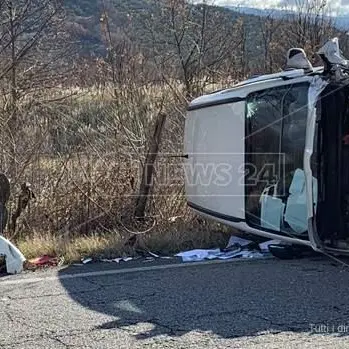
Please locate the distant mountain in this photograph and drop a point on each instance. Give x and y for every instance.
(341, 22)
(132, 16)
(129, 16)
(84, 21)
(259, 12)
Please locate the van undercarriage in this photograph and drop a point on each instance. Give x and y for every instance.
(332, 218)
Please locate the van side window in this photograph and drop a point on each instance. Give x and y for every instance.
(276, 122)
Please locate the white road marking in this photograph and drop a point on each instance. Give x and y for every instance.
(13, 280)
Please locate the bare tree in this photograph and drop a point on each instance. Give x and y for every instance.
(33, 58)
(308, 24)
(193, 42)
(269, 28)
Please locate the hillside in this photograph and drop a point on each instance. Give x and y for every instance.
(131, 17)
(341, 21)
(146, 27)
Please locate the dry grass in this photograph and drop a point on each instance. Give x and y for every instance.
(166, 241)
(83, 157)
(72, 250)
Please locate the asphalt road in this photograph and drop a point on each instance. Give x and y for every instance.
(254, 304)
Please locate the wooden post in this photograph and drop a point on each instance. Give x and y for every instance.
(148, 168)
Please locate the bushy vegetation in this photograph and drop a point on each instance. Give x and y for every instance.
(82, 84)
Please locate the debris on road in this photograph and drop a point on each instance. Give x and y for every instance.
(44, 261)
(198, 255)
(235, 240)
(236, 248)
(116, 260)
(146, 259)
(149, 259)
(105, 260)
(86, 260)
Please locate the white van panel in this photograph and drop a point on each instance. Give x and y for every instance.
(214, 142)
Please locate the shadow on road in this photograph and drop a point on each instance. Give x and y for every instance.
(229, 300)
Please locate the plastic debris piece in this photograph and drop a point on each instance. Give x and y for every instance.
(235, 240)
(86, 260)
(105, 260)
(61, 261)
(153, 254)
(116, 260)
(149, 259)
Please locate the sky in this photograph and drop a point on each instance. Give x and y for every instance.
(336, 7)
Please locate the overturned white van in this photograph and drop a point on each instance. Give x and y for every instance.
(270, 156)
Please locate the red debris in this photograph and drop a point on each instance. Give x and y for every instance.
(44, 261)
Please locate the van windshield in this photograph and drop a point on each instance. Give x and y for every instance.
(276, 122)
